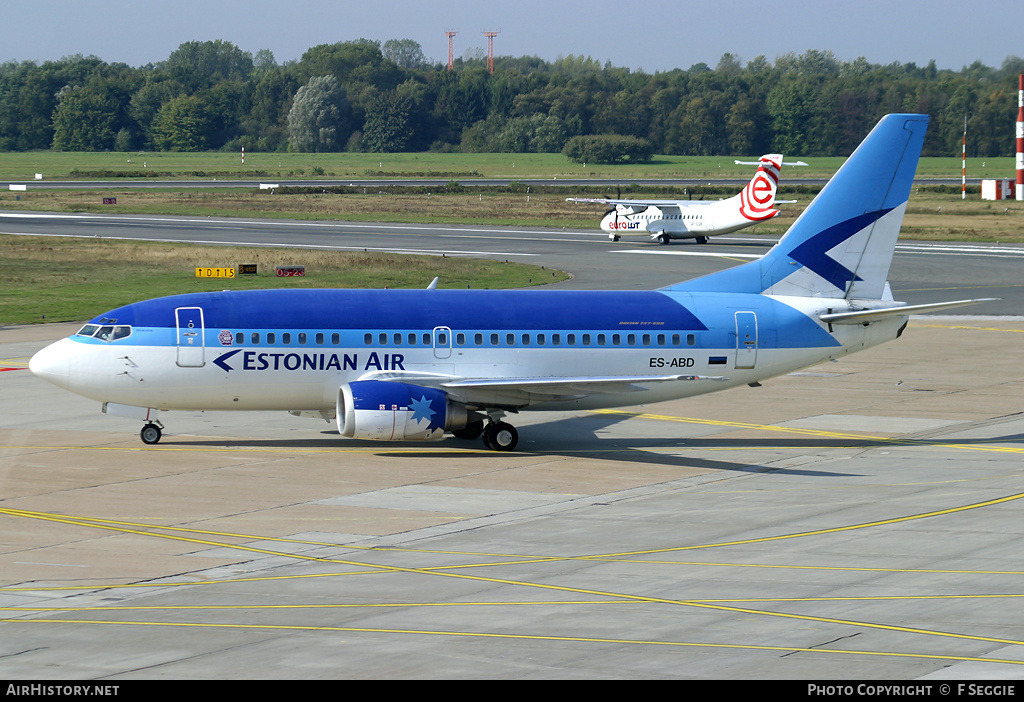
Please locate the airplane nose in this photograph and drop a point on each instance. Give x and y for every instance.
(52, 363)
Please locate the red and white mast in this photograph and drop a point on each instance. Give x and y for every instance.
(1020, 137)
(963, 176)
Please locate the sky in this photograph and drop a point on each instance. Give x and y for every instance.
(647, 35)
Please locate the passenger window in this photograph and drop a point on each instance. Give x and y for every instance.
(255, 337)
(675, 340)
(570, 339)
(586, 339)
(556, 339)
(367, 338)
(526, 339)
(320, 338)
(271, 338)
(302, 338)
(460, 339)
(478, 339)
(335, 339)
(286, 338)
(616, 339)
(494, 339)
(661, 339)
(540, 339)
(631, 339)
(239, 338)
(412, 339)
(600, 340)
(383, 339)
(691, 339)
(646, 339)
(510, 339)
(398, 338)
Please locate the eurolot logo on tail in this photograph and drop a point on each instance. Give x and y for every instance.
(757, 199)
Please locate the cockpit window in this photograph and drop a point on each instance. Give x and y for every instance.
(105, 332)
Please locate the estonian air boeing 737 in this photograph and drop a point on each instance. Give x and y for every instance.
(664, 220)
(411, 365)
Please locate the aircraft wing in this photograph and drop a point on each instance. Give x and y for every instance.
(520, 391)
(607, 201)
(584, 386)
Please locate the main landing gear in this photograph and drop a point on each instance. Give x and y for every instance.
(500, 436)
(497, 435)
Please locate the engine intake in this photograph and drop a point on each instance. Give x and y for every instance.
(386, 411)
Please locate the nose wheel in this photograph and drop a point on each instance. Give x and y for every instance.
(500, 436)
(151, 433)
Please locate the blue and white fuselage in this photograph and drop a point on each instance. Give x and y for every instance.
(292, 349)
(414, 364)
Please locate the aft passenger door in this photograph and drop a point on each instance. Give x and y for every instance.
(746, 339)
(191, 339)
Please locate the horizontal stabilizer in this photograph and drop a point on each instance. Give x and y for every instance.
(757, 163)
(862, 316)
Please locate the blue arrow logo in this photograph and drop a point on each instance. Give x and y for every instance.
(813, 253)
(220, 360)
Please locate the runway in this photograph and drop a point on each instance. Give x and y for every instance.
(922, 272)
(857, 520)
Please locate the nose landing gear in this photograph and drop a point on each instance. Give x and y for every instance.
(151, 433)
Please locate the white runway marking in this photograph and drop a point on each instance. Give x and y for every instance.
(214, 242)
(713, 254)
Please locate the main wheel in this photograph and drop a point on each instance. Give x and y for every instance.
(150, 434)
(500, 436)
(702, 240)
(664, 239)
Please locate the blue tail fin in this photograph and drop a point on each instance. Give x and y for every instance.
(842, 244)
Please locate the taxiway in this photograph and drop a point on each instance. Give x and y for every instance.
(857, 520)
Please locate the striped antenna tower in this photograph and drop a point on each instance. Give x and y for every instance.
(963, 177)
(490, 50)
(451, 55)
(1020, 137)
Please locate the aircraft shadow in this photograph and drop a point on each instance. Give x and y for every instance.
(580, 437)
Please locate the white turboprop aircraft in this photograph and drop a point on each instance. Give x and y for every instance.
(664, 220)
(411, 365)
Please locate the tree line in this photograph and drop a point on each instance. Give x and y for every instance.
(384, 97)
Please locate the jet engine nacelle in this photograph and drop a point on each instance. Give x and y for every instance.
(378, 409)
